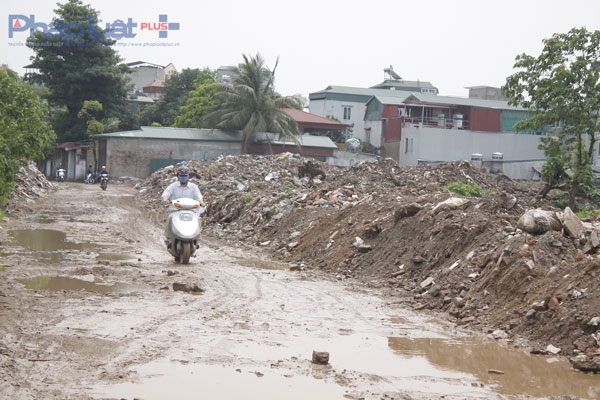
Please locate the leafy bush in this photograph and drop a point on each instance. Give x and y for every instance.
(466, 189)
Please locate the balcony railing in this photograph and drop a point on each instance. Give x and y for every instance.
(437, 122)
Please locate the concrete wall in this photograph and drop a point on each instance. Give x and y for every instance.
(376, 128)
(335, 108)
(132, 156)
(432, 145)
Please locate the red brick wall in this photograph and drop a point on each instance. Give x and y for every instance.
(392, 129)
(484, 120)
(389, 111)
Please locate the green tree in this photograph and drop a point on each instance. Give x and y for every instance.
(199, 100)
(90, 112)
(561, 86)
(24, 129)
(250, 104)
(76, 62)
(177, 90)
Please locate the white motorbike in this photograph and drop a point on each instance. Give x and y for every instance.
(183, 229)
(60, 175)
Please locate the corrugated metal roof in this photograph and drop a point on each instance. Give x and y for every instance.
(460, 101)
(364, 91)
(156, 132)
(406, 84)
(303, 117)
(394, 100)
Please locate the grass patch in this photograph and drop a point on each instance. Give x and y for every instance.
(588, 214)
(467, 189)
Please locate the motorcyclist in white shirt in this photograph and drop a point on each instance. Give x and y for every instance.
(183, 188)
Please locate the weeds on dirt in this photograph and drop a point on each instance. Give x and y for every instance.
(467, 189)
(588, 214)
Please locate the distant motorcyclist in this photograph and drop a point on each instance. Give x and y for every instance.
(183, 188)
(60, 173)
(89, 172)
(103, 178)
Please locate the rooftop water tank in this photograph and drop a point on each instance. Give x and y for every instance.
(477, 160)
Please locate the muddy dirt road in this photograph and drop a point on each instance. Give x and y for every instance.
(88, 311)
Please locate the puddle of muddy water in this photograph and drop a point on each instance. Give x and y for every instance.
(508, 371)
(57, 283)
(455, 366)
(44, 240)
(168, 380)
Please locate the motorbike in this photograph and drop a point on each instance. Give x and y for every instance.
(90, 179)
(182, 231)
(60, 175)
(104, 181)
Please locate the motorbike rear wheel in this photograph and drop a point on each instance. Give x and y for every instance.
(186, 251)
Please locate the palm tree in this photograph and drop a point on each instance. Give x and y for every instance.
(250, 104)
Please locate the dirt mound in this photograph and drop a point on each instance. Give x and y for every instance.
(400, 229)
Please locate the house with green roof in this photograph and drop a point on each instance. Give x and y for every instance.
(411, 123)
(424, 128)
(347, 104)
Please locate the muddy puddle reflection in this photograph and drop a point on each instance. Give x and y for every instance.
(47, 245)
(472, 367)
(59, 283)
(44, 240)
(168, 380)
(507, 371)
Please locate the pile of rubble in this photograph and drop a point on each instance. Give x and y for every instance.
(402, 230)
(30, 184)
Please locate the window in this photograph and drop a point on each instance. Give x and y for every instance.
(347, 113)
(408, 145)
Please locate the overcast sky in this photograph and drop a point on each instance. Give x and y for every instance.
(452, 44)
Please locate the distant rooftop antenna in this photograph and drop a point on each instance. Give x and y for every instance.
(389, 74)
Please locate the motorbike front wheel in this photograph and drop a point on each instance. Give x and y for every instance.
(103, 185)
(186, 251)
